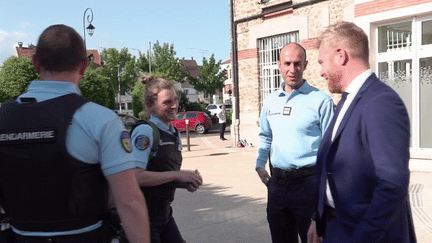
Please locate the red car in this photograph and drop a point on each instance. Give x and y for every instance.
(199, 121)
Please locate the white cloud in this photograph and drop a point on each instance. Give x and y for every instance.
(25, 25)
(8, 41)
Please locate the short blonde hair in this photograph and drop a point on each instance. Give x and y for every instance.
(350, 36)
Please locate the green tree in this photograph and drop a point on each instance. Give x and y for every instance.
(2, 96)
(142, 63)
(15, 77)
(164, 62)
(123, 62)
(138, 99)
(97, 88)
(212, 77)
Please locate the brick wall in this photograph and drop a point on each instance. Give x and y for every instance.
(379, 6)
(248, 53)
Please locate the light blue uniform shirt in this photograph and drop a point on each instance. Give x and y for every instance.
(292, 126)
(142, 139)
(94, 136)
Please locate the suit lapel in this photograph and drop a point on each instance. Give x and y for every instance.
(356, 99)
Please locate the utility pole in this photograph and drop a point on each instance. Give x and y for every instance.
(149, 55)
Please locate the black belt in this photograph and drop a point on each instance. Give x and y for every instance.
(293, 173)
(92, 236)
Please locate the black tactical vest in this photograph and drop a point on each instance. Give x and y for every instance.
(167, 158)
(44, 187)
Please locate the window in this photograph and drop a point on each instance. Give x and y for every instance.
(269, 51)
(191, 115)
(396, 37)
(180, 116)
(404, 62)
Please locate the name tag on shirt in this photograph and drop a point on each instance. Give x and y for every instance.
(287, 111)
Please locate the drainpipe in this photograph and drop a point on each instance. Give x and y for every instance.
(234, 23)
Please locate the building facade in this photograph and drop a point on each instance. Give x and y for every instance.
(263, 28)
(401, 54)
(228, 83)
(400, 34)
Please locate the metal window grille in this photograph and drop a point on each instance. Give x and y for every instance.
(269, 52)
(397, 40)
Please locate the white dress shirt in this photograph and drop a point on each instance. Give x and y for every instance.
(352, 90)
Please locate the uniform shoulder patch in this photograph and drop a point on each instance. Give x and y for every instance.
(126, 141)
(142, 142)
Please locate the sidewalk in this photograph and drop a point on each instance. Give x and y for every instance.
(230, 206)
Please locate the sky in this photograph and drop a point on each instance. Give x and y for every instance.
(196, 28)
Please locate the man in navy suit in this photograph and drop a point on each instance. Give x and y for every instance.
(362, 164)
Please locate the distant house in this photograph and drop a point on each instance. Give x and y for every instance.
(228, 84)
(192, 68)
(22, 51)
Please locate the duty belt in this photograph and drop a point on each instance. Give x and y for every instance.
(293, 173)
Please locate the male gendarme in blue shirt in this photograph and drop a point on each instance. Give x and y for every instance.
(292, 123)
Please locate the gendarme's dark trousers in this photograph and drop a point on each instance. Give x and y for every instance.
(163, 229)
(290, 206)
(222, 130)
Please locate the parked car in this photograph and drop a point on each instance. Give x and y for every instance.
(199, 121)
(216, 108)
(128, 120)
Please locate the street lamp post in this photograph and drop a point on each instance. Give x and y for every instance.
(119, 94)
(90, 28)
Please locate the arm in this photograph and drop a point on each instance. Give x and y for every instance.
(388, 133)
(265, 140)
(326, 115)
(131, 205)
(183, 177)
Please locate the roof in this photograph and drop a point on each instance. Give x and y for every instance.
(190, 66)
(95, 55)
(30, 51)
(227, 61)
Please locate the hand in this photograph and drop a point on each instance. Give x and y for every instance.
(264, 176)
(312, 236)
(193, 179)
(190, 186)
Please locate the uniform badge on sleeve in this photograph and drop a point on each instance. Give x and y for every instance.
(126, 141)
(142, 142)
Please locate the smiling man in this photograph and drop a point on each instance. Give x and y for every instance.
(362, 164)
(293, 121)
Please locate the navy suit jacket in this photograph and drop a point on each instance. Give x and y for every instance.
(367, 167)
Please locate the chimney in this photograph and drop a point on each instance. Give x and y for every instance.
(20, 44)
